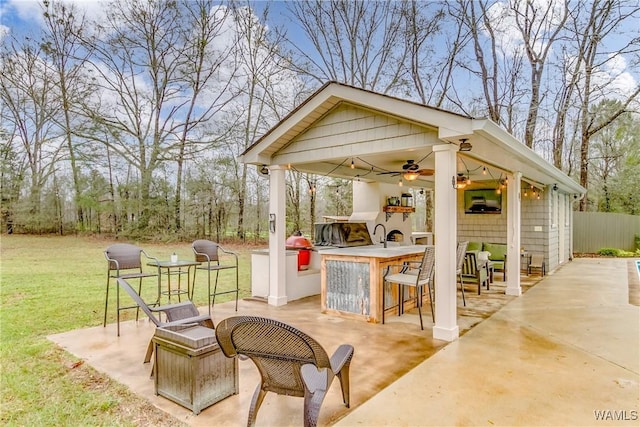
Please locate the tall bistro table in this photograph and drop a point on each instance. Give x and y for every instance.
(175, 268)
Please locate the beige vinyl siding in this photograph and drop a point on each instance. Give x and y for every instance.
(596, 230)
(349, 131)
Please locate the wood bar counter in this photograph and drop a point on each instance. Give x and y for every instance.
(352, 279)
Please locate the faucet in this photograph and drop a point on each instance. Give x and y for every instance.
(384, 230)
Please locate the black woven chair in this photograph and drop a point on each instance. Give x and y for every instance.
(183, 313)
(290, 362)
(209, 254)
(124, 261)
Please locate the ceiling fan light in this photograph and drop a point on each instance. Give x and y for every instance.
(411, 176)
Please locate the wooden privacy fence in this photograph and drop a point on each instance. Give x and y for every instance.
(596, 230)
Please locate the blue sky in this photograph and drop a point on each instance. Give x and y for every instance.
(20, 16)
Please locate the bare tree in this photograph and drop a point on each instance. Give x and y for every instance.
(496, 65)
(63, 27)
(27, 90)
(429, 76)
(603, 19)
(539, 28)
(266, 91)
(204, 24)
(154, 60)
(358, 43)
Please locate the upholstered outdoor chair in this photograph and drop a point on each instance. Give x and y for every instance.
(290, 362)
(124, 261)
(210, 255)
(416, 275)
(183, 313)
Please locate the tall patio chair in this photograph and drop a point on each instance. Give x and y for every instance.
(416, 275)
(124, 261)
(209, 254)
(290, 362)
(461, 250)
(183, 313)
(537, 262)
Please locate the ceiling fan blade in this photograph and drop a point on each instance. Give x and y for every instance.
(389, 173)
(426, 172)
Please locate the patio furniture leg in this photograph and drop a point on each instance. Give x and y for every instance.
(433, 316)
(106, 304)
(256, 401)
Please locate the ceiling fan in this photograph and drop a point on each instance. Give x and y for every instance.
(410, 171)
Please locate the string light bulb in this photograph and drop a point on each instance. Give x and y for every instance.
(353, 166)
(484, 170)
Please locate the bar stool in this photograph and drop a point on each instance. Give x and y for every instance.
(124, 261)
(417, 275)
(208, 253)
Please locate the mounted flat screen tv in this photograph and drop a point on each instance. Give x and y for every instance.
(482, 201)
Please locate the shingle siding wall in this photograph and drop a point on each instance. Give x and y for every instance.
(540, 228)
(482, 228)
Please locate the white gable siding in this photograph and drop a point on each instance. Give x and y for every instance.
(350, 131)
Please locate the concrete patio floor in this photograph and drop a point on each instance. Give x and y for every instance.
(566, 348)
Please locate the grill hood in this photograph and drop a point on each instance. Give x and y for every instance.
(342, 234)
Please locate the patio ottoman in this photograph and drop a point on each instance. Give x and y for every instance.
(190, 369)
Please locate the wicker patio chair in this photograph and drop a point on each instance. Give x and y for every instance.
(209, 254)
(415, 275)
(124, 260)
(290, 362)
(183, 313)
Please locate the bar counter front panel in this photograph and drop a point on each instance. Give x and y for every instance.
(352, 279)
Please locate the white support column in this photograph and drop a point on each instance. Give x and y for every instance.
(513, 234)
(446, 231)
(277, 236)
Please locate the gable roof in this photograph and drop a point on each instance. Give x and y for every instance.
(492, 145)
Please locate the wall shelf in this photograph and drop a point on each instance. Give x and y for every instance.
(404, 210)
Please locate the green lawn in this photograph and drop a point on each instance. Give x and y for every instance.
(56, 284)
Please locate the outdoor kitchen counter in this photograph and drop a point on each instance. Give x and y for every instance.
(352, 279)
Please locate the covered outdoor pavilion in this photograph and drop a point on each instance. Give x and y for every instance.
(340, 123)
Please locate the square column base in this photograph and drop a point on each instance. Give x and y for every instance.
(444, 334)
(515, 291)
(277, 301)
